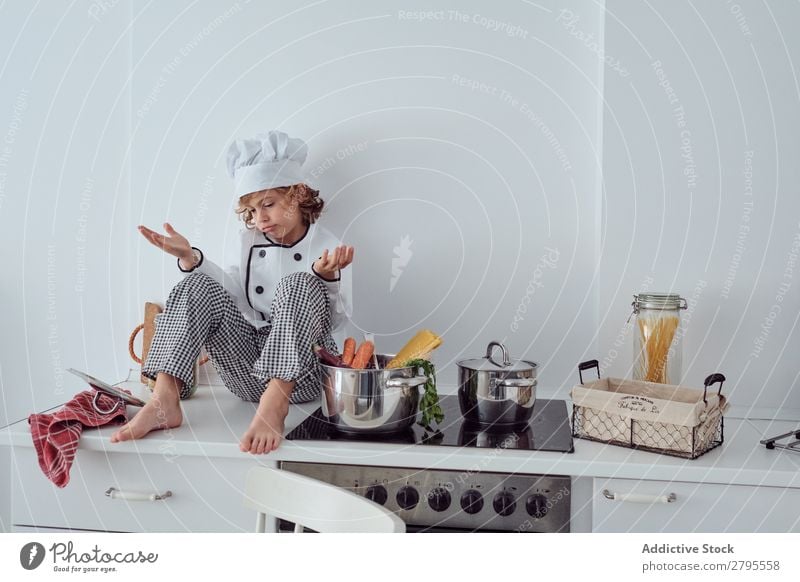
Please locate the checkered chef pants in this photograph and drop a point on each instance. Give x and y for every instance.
(200, 312)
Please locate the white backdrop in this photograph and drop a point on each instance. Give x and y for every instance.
(701, 186)
(512, 171)
(477, 147)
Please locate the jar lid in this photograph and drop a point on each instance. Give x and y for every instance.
(491, 364)
(658, 301)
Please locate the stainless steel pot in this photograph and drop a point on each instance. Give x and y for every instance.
(371, 401)
(497, 394)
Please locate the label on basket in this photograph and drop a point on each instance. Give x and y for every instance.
(638, 404)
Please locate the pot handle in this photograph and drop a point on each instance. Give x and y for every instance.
(517, 382)
(403, 382)
(496, 344)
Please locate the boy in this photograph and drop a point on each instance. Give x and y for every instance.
(257, 320)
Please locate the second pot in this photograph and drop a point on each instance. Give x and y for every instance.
(494, 393)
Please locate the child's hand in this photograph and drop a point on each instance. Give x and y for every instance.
(329, 263)
(174, 243)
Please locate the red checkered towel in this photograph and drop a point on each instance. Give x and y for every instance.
(56, 436)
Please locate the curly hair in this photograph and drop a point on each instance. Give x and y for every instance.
(299, 196)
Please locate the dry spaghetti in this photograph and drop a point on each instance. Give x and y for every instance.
(656, 334)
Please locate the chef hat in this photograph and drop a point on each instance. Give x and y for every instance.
(269, 160)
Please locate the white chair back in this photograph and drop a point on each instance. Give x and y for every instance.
(314, 504)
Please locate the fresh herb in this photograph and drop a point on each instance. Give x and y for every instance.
(431, 411)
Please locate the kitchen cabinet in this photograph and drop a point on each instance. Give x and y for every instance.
(205, 494)
(675, 506)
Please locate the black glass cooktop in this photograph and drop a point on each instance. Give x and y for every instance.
(548, 430)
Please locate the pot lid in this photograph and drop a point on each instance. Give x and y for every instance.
(658, 301)
(497, 363)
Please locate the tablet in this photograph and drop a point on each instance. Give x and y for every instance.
(110, 390)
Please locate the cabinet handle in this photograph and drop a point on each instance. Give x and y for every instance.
(115, 493)
(639, 498)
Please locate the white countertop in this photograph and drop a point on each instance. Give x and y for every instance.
(214, 420)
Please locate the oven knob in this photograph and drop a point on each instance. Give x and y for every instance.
(407, 497)
(504, 503)
(377, 493)
(536, 506)
(439, 499)
(472, 501)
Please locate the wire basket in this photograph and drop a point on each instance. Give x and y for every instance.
(659, 418)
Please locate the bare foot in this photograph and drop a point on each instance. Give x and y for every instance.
(266, 430)
(161, 412)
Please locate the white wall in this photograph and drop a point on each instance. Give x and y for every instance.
(473, 177)
(483, 181)
(709, 209)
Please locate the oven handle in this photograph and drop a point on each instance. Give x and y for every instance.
(639, 498)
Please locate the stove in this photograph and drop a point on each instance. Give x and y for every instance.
(548, 430)
(437, 500)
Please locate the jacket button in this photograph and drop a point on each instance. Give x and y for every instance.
(297, 256)
(262, 253)
(259, 289)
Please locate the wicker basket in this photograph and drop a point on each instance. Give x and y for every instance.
(661, 418)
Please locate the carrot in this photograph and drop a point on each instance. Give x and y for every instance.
(349, 351)
(363, 355)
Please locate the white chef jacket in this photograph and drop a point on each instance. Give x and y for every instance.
(264, 262)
